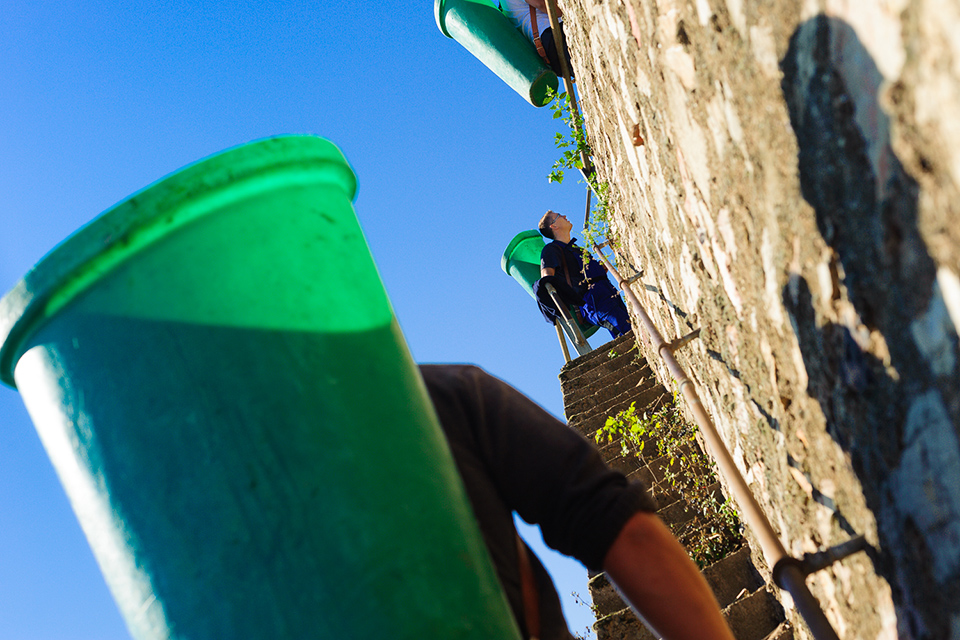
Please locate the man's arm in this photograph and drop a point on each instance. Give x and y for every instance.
(549, 260)
(661, 582)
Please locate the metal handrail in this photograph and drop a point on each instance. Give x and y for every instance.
(563, 341)
(576, 336)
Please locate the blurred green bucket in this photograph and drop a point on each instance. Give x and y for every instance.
(217, 375)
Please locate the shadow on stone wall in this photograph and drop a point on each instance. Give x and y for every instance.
(886, 378)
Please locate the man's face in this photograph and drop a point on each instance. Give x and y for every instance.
(560, 222)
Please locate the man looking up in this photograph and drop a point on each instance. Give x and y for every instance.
(563, 259)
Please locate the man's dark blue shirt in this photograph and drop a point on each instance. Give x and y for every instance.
(553, 254)
(601, 301)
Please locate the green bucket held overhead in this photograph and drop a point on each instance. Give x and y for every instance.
(521, 259)
(215, 371)
(490, 36)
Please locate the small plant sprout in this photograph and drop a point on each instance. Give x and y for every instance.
(573, 151)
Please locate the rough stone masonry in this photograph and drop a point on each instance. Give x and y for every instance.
(786, 174)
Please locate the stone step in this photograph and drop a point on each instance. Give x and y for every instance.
(667, 495)
(782, 632)
(675, 513)
(624, 345)
(573, 368)
(597, 352)
(610, 449)
(659, 467)
(606, 598)
(637, 471)
(622, 625)
(611, 385)
(592, 419)
(675, 509)
(619, 354)
(620, 348)
(608, 388)
(600, 368)
(643, 476)
(630, 383)
(629, 374)
(604, 377)
(729, 577)
(755, 616)
(626, 465)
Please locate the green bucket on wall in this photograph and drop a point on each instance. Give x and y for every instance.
(217, 375)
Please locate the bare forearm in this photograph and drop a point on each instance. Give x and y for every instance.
(662, 583)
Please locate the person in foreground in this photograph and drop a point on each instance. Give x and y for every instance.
(581, 282)
(513, 456)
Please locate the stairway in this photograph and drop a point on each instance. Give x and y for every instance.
(601, 384)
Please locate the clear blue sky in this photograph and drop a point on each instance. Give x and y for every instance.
(101, 99)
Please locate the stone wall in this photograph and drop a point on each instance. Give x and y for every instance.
(786, 175)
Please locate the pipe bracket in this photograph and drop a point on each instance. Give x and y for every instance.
(684, 341)
(813, 562)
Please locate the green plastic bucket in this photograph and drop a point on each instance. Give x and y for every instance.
(217, 375)
(490, 36)
(521, 259)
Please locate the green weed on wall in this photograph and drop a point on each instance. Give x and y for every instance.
(714, 531)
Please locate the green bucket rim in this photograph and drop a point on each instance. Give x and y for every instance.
(517, 239)
(137, 221)
(438, 15)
